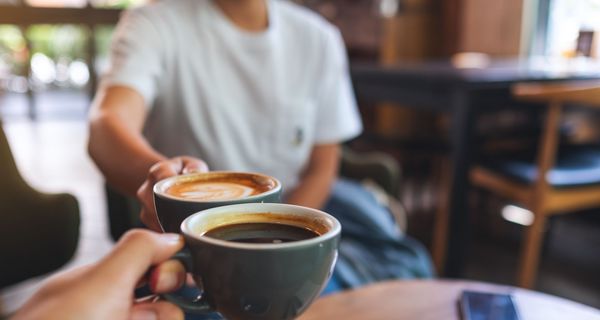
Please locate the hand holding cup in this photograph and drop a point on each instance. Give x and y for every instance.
(159, 171)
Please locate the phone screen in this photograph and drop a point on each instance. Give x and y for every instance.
(487, 306)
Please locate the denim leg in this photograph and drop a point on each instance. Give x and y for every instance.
(372, 247)
(359, 212)
(332, 286)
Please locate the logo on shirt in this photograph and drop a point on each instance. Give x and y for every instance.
(298, 137)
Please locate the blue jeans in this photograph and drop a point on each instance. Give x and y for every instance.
(372, 247)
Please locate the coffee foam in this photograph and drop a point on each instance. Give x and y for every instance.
(213, 191)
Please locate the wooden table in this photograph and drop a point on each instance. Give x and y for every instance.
(442, 87)
(436, 300)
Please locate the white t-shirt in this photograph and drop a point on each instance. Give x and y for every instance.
(247, 101)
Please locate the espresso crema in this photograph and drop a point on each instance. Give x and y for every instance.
(211, 190)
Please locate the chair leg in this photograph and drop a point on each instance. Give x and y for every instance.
(440, 228)
(530, 254)
(440, 237)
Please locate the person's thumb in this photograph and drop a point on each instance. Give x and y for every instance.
(136, 252)
(156, 311)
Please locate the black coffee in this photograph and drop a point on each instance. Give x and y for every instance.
(261, 233)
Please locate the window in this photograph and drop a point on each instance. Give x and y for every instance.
(568, 19)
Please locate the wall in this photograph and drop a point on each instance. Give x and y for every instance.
(413, 35)
(358, 20)
(492, 27)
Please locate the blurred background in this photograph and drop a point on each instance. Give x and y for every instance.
(53, 51)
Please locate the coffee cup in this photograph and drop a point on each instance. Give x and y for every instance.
(258, 261)
(177, 197)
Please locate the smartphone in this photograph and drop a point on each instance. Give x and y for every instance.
(487, 306)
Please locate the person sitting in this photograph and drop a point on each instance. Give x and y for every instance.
(244, 85)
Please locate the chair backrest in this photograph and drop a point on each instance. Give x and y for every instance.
(582, 92)
(586, 93)
(39, 232)
(380, 167)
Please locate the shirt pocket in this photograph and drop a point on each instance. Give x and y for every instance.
(295, 133)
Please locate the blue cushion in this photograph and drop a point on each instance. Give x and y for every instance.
(575, 166)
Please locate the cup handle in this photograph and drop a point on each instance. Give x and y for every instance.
(197, 306)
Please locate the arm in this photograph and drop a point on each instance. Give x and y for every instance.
(116, 143)
(317, 178)
(337, 120)
(123, 155)
(119, 110)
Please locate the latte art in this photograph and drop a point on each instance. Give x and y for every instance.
(216, 191)
(213, 191)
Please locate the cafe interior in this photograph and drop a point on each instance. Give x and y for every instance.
(480, 138)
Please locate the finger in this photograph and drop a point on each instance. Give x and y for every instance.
(163, 170)
(156, 311)
(145, 195)
(150, 220)
(175, 166)
(191, 164)
(135, 253)
(167, 277)
(189, 281)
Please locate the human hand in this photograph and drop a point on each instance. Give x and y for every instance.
(104, 290)
(162, 170)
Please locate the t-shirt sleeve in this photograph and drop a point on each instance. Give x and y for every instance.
(135, 55)
(338, 118)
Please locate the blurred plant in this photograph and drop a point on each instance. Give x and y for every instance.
(58, 52)
(103, 39)
(13, 51)
(58, 41)
(117, 3)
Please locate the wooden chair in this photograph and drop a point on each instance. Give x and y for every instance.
(555, 183)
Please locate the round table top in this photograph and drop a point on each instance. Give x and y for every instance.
(436, 299)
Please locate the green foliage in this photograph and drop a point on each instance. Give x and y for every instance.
(11, 38)
(13, 51)
(58, 41)
(103, 38)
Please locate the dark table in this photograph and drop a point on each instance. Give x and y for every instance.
(442, 87)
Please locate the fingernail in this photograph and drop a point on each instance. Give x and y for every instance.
(192, 170)
(171, 238)
(144, 314)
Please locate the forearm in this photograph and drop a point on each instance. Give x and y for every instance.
(116, 143)
(312, 192)
(318, 177)
(123, 156)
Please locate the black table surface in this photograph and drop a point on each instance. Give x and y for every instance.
(497, 72)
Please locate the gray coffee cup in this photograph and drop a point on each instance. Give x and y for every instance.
(260, 281)
(172, 209)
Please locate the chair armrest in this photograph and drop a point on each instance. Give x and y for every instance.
(377, 166)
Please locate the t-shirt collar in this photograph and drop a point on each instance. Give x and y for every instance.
(254, 39)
